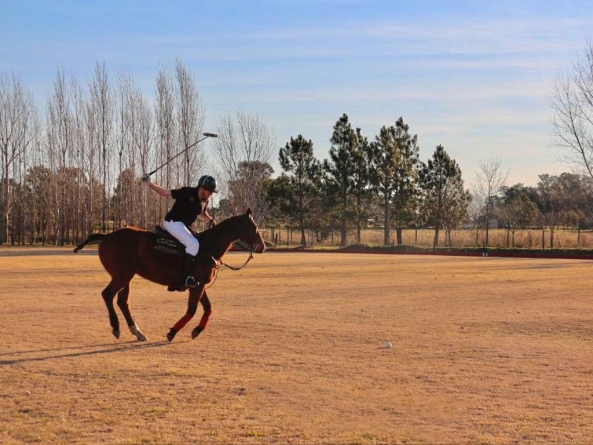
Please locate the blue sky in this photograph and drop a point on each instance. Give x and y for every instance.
(473, 76)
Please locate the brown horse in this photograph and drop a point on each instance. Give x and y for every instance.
(159, 258)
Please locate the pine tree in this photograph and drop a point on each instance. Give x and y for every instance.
(348, 178)
(305, 170)
(394, 161)
(445, 201)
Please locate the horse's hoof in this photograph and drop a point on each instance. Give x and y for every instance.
(115, 332)
(197, 331)
(171, 335)
(137, 333)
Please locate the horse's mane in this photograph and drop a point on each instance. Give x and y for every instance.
(223, 224)
(209, 237)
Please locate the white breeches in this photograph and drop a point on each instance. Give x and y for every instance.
(182, 233)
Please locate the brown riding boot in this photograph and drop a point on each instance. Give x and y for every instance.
(187, 279)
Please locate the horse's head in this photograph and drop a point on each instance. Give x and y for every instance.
(249, 233)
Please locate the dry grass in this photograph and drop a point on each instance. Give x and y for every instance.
(485, 350)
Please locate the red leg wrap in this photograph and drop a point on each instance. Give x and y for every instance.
(182, 322)
(205, 319)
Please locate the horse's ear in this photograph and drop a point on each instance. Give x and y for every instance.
(249, 212)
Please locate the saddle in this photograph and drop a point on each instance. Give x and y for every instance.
(167, 243)
(162, 232)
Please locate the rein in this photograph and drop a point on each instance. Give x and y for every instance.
(240, 267)
(219, 263)
(222, 263)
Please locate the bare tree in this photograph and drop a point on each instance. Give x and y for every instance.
(551, 204)
(190, 121)
(138, 135)
(145, 146)
(166, 132)
(60, 145)
(166, 126)
(490, 180)
(83, 135)
(244, 149)
(19, 127)
(101, 120)
(124, 202)
(572, 102)
(517, 211)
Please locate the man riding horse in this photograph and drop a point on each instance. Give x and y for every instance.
(131, 251)
(190, 204)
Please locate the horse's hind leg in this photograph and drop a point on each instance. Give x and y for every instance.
(108, 295)
(124, 304)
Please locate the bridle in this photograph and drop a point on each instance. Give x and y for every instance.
(219, 262)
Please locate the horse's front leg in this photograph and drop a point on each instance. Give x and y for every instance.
(192, 307)
(205, 301)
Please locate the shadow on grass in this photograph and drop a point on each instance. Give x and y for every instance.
(77, 351)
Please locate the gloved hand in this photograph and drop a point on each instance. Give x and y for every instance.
(146, 178)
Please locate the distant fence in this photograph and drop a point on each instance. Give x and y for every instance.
(522, 239)
(459, 238)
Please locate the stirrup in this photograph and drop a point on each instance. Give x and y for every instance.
(191, 282)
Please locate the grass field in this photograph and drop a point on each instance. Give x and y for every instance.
(485, 350)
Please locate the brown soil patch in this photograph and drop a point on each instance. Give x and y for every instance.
(485, 350)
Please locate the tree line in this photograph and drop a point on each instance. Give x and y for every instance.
(75, 168)
(382, 180)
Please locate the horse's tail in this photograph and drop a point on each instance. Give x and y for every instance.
(93, 238)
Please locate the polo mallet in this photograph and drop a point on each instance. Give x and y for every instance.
(206, 136)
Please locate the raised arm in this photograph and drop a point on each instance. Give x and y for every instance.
(157, 188)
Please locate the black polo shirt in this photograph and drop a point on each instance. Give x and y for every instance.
(187, 205)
